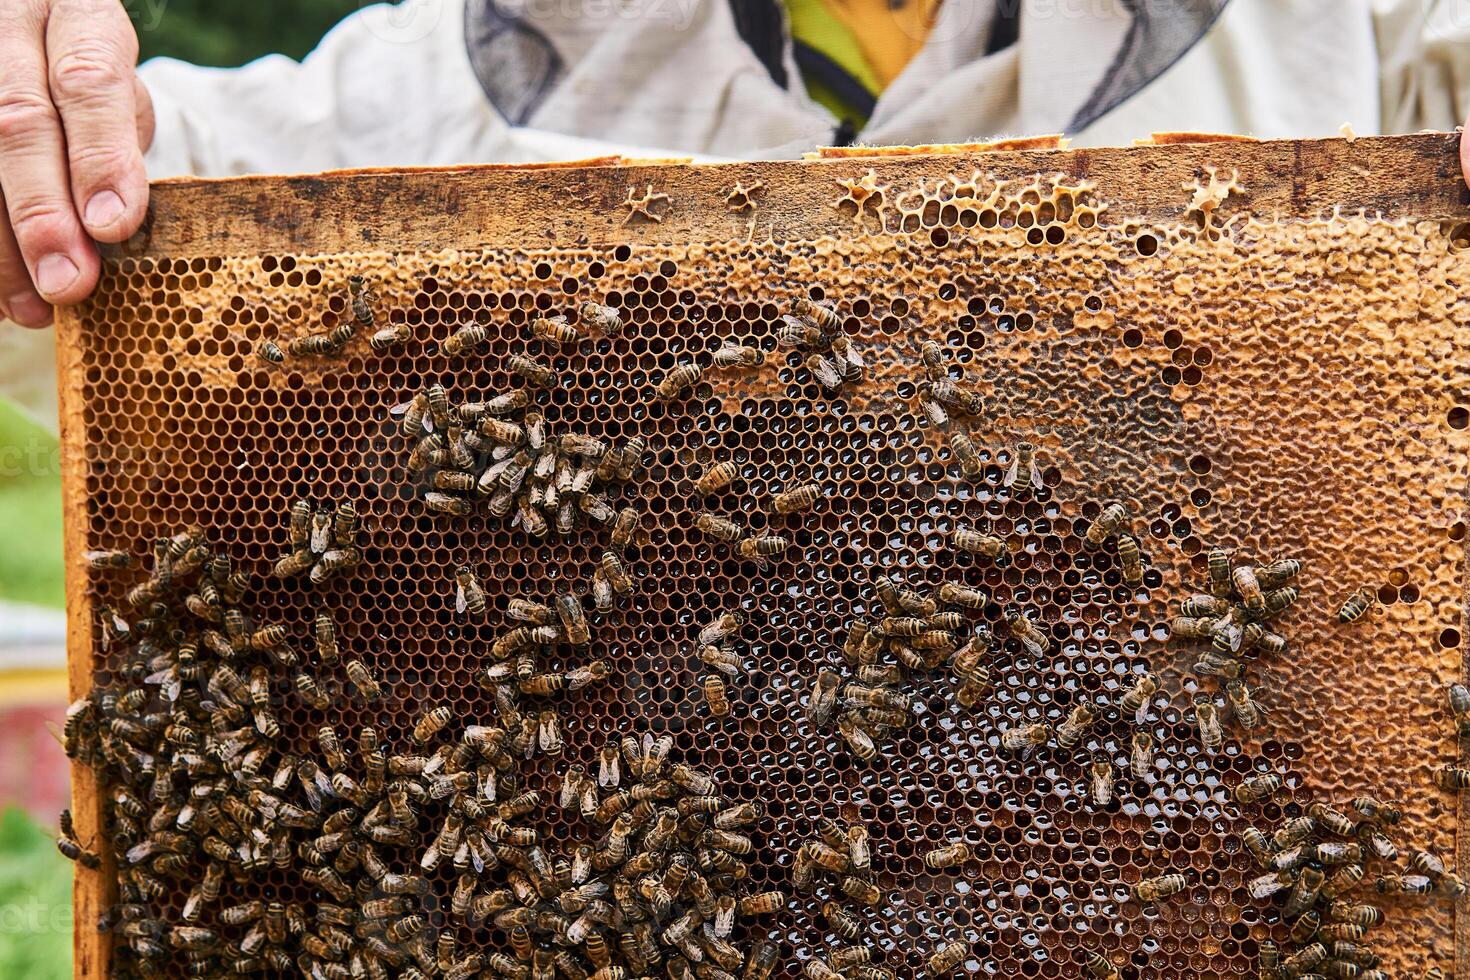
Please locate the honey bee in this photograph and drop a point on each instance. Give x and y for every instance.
(1159, 888)
(797, 499)
(1100, 966)
(1376, 810)
(310, 691)
(431, 723)
(625, 527)
(1247, 711)
(468, 595)
(1303, 960)
(1255, 788)
(443, 503)
(794, 333)
(824, 372)
(719, 528)
(1357, 605)
(933, 357)
(555, 330)
(467, 336)
(934, 409)
(573, 619)
(761, 548)
(958, 398)
(1219, 568)
(390, 337)
(716, 478)
(857, 738)
(1204, 607)
(1459, 700)
(1036, 642)
(534, 374)
(725, 627)
(944, 959)
(1453, 777)
(985, 545)
(1243, 578)
(1259, 845)
(844, 923)
(679, 380)
(715, 695)
(1207, 720)
(823, 701)
(1191, 626)
(1023, 474)
(1278, 573)
(363, 680)
(816, 314)
(966, 453)
(604, 319)
(1138, 696)
(270, 352)
(1131, 559)
(848, 358)
(312, 345)
(1366, 916)
(114, 628)
(1404, 884)
(1141, 760)
(362, 300)
(1338, 852)
(617, 575)
(951, 594)
(1075, 725)
(732, 355)
(1102, 781)
(1025, 738)
(947, 856)
(73, 851)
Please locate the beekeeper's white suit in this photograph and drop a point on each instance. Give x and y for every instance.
(432, 82)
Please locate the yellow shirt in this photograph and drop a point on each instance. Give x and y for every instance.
(850, 50)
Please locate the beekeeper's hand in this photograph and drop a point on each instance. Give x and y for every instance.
(74, 122)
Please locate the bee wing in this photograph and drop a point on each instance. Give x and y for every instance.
(1013, 471)
(1036, 481)
(461, 602)
(401, 409)
(55, 731)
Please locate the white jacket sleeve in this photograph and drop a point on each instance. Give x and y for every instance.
(391, 85)
(1424, 63)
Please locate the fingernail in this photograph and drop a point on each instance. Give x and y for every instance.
(55, 274)
(29, 310)
(104, 209)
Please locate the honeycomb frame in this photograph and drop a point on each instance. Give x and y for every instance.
(1137, 313)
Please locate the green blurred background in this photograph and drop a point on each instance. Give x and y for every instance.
(35, 881)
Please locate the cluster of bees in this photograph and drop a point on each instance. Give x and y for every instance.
(185, 737)
(501, 450)
(759, 548)
(811, 330)
(914, 636)
(324, 543)
(333, 342)
(837, 865)
(716, 650)
(663, 884)
(516, 670)
(1233, 616)
(1312, 862)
